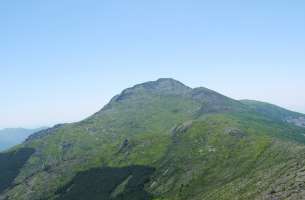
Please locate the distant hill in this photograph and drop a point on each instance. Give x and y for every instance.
(13, 136)
(162, 140)
(275, 112)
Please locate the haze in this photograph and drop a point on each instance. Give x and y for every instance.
(61, 61)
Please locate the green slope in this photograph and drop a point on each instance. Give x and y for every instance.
(164, 140)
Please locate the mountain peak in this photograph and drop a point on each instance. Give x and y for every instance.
(162, 86)
(166, 84)
(157, 132)
(168, 80)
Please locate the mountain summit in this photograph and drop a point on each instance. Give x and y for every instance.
(163, 86)
(163, 140)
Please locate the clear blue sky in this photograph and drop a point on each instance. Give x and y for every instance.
(61, 60)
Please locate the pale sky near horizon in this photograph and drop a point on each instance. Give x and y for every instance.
(62, 60)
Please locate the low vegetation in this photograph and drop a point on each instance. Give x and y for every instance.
(164, 140)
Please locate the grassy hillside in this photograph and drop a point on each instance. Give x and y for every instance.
(164, 140)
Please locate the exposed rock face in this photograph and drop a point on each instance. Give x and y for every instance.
(290, 185)
(235, 132)
(125, 146)
(300, 121)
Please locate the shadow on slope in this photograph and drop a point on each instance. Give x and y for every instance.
(108, 183)
(10, 165)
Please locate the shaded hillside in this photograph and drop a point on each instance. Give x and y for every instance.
(10, 165)
(201, 145)
(108, 183)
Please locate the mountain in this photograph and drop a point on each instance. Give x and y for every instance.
(10, 137)
(163, 140)
(275, 112)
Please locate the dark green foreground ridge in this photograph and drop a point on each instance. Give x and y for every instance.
(162, 140)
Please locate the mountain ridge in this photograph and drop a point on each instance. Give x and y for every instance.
(194, 142)
(276, 112)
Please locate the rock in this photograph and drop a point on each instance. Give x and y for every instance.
(235, 132)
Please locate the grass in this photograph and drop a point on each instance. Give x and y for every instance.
(202, 145)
